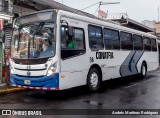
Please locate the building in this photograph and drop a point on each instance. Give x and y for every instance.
(124, 20)
(157, 29)
(149, 23)
(6, 8)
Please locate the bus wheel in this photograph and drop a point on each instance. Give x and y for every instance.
(143, 70)
(93, 80)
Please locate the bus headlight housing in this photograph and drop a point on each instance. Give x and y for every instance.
(52, 69)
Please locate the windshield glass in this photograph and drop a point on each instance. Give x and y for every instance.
(34, 40)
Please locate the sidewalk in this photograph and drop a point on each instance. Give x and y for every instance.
(4, 89)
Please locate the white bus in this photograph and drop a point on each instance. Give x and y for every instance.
(57, 50)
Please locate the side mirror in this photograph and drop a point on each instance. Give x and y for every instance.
(70, 30)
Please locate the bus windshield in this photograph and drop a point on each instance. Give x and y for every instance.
(34, 40)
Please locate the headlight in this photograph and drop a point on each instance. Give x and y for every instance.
(52, 69)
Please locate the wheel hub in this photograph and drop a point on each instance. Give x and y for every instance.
(94, 79)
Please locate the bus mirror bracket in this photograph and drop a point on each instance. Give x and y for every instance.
(63, 21)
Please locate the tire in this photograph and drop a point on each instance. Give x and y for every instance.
(143, 70)
(93, 80)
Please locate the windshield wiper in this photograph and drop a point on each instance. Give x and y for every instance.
(38, 29)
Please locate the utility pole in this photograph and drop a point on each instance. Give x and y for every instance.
(158, 13)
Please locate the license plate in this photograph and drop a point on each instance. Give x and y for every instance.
(27, 82)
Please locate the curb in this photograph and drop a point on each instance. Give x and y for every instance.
(10, 90)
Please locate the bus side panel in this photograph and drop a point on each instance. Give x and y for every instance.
(74, 72)
(110, 66)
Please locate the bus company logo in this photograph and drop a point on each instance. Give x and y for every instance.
(28, 73)
(104, 55)
(28, 67)
(6, 112)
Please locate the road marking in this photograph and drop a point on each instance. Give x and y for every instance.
(149, 80)
(139, 83)
(131, 85)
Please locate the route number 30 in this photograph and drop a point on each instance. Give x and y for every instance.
(91, 59)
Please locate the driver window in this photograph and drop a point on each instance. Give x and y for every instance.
(72, 45)
(72, 42)
(67, 40)
(64, 37)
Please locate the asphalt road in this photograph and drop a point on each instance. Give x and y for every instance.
(120, 93)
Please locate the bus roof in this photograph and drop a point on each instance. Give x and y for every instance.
(92, 19)
(102, 22)
(36, 12)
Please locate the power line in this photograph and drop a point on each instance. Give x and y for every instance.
(96, 11)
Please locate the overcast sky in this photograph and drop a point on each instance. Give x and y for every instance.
(138, 10)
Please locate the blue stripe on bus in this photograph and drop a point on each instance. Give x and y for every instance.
(130, 63)
(139, 55)
(129, 66)
(45, 81)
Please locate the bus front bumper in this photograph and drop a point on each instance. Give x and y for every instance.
(42, 83)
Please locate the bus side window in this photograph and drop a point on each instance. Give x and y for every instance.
(137, 42)
(154, 45)
(95, 37)
(111, 39)
(126, 41)
(147, 44)
(78, 36)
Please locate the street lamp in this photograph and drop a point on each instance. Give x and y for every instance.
(105, 3)
(158, 13)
